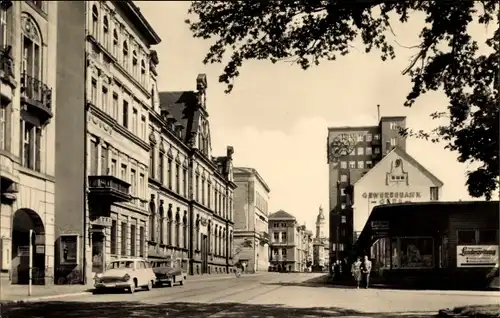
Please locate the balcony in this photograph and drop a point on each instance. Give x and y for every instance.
(109, 189)
(37, 96)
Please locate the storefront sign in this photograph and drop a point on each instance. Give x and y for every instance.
(477, 255)
(380, 225)
(101, 221)
(392, 195)
(68, 253)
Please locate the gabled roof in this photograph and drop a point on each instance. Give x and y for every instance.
(408, 158)
(281, 215)
(181, 106)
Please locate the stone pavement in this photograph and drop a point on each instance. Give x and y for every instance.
(19, 293)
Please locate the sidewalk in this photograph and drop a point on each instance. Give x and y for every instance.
(19, 293)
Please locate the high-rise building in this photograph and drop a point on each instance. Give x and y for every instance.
(369, 165)
(251, 199)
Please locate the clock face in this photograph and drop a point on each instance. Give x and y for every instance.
(340, 145)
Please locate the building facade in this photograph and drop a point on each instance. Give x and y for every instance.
(191, 191)
(119, 80)
(304, 248)
(321, 245)
(351, 152)
(27, 138)
(250, 219)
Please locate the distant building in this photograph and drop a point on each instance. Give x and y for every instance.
(353, 153)
(250, 219)
(289, 243)
(320, 245)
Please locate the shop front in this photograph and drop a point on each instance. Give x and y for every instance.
(452, 242)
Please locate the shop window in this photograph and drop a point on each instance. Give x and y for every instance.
(416, 252)
(466, 237)
(487, 237)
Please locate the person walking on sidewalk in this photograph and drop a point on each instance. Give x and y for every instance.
(366, 268)
(356, 271)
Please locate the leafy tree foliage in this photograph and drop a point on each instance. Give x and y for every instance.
(309, 31)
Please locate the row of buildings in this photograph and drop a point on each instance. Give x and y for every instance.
(98, 162)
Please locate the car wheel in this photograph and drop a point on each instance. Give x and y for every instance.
(181, 282)
(150, 285)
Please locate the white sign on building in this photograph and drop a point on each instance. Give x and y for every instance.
(477, 255)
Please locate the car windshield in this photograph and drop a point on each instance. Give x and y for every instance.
(121, 264)
(163, 264)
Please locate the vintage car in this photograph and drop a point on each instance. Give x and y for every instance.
(126, 273)
(168, 272)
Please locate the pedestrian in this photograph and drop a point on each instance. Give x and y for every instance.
(366, 267)
(337, 270)
(356, 271)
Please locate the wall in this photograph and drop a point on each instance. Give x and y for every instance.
(70, 121)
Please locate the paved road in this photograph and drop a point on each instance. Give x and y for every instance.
(268, 295)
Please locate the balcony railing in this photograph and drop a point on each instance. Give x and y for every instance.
(36, 90)
(109, 187)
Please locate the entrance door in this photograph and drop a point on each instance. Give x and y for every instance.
(204, 254)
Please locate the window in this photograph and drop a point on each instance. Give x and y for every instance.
(113, 236)
(352, 164)
(369, 164)
(93, 91)
(376, 137)
(368, 151)
(95, 22)
(216, 206)
(113, 167)
(488, 237)
(124, 239)
(125, 55)
(361, 164)
(185, 232)
(184, 181)
(197, 188)
(104, 103)
(3, 126)
(434, 193)
(368, 137)
(152, 161)
(105, 32)
(416, 252)
(203, 191)
(283, 236)
(133, 183)
(342, 191)
(343, 178)
(115, 43)
(3, 28)
(177, 180)
(32, 62)
(152, 223)
(283, 252)
(31, 143)
(135, 64)
(123, 172)
(169, 173)
(115, 106)
(143, 127)
(361, 151)
(466, 237)
(143, 73)
(142, 185)
(161, 168)
(343, 164)
(393, 142)
(133, 240)
(276, 236)
(125, 114)
(393, 126)
(360, 138)
(135, 121)
(104, 160)
(376, 150)
(141, 241)
(209, 194)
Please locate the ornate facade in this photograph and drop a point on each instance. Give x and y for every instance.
(191, 192)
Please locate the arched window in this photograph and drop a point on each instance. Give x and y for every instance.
(135, 64)
(177, 230)
(125, 55)
(169, 226)
(143, 73)
(185, 233)
(152, 219)
(95, 22)
(115, 43)
(105, 32)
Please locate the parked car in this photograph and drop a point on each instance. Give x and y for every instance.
(168, 272)
(126, 273)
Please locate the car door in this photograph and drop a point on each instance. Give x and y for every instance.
(146, 272)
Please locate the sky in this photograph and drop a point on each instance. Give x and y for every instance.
(277, 116)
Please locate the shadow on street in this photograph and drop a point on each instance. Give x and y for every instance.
(181, 309)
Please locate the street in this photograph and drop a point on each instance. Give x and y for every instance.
(266, 295)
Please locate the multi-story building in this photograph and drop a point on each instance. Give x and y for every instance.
(321, 245)
(304, 248)
(28, 44)
(192, 196)
(370, 164)
(250, 219)
(120, 78)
